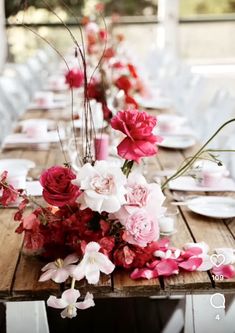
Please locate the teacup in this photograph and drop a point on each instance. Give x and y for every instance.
(208, 173)
(57, 83)
(44, 98)
(170, 123)
(17, 177)
(35, 129)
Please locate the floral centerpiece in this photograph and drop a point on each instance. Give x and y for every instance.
(104, 216)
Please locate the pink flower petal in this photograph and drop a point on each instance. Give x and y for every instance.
(206, 264)
(227, 271)
(92, 273)
(60, 275)
(70, 296)
(167, 267)
(87, 303)
(144, 273)
(190, 252)
(191, 264)
(105, 265)
(50, 265)
(77, 272)
(57, 303)
(47, 275)
(153, 264)
(163, 243)
(71, 259)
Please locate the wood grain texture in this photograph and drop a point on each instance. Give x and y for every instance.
(20, 273)
(124, 285)
(9, 250)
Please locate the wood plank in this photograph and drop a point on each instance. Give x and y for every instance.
(26, 284)
(214, 232)
(185, 281)
(9, 250)
(101, 289)
(123, 285)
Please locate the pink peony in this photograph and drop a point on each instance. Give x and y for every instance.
(138, 127)
(140, 228)
(57, 187)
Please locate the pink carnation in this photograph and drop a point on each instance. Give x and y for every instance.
(138, 127)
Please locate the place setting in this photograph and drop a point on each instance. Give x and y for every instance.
(175, 132)
(17, 175)
(47, 101)
(35, 133)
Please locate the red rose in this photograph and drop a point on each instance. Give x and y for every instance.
(74, 78)
(57, 187)
(138, 127)
(123, 83)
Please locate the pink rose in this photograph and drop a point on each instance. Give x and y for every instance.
(140, 228)
(57, 187)
(74, 78)
(138, 127)
(141, 194)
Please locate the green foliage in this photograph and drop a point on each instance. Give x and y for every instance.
(14, 6)
(216, 7)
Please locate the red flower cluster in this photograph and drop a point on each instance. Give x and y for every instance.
(62, 232)
(74, 78)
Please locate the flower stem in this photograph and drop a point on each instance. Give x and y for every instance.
(73, 283)
(186, 166)
(127, 166)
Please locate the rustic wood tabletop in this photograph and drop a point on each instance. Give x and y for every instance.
(20, 272)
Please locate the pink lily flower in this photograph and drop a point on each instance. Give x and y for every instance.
(59, 270)
(92, 264)
(69, 304)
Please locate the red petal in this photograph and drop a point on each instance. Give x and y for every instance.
(227, 271)
(192, 251)
(143, 273)
(167, 267)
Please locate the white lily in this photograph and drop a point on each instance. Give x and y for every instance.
(68, 302)
(92, 264)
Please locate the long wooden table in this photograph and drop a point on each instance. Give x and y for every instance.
(19, 273)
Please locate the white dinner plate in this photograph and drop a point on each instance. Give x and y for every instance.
(157, 103)
(218, 207)
(51, 124)
(16, 162)
(177, 142)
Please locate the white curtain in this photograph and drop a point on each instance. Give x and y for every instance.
(3, 41)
